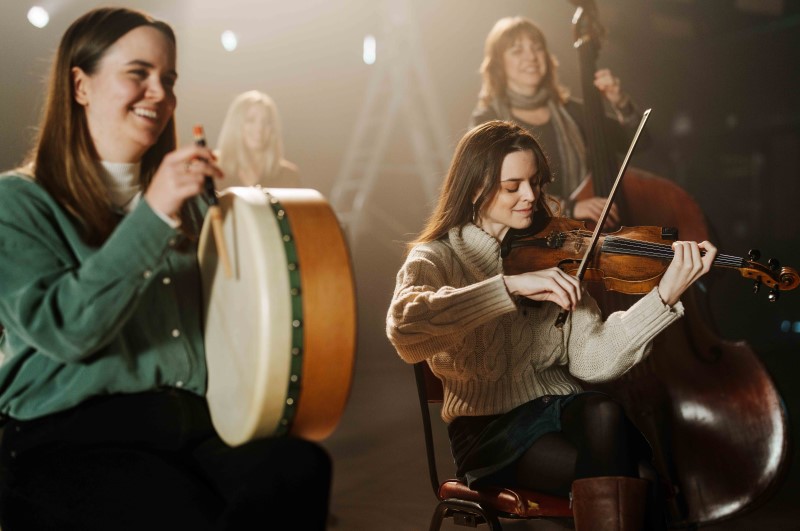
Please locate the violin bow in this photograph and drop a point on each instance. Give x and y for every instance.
(562, 317)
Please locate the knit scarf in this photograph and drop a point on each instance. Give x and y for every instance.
(570, 144)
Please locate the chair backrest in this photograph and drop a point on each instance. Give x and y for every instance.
(433, 385)
(430, 391)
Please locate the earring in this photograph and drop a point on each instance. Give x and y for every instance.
(474, 214)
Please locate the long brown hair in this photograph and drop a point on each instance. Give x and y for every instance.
(64, 160)
(475, 170)
(503, 35)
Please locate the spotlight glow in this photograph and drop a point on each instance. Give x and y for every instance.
(38, 16)
(370, 49)
(229, 40)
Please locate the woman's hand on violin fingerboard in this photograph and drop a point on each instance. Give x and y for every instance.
(686, 267)
(546, 285)
(181, 176)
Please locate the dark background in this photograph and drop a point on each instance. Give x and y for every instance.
(720, 75)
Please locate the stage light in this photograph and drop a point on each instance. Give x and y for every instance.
(38, 16)
(370, 49)
(682, 124)
(229, 40)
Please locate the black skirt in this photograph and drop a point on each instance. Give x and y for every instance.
(483, 446)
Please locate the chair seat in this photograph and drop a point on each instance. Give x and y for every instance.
(518, 502)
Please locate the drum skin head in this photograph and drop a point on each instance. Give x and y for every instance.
(246, 316)
(280, 331)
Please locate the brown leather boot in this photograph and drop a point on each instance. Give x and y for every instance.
(609, 503)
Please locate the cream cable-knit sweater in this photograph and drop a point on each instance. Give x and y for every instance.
(451, 307)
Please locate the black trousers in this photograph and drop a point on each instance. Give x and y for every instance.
(153, 461)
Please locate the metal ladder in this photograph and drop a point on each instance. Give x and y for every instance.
(400, 94)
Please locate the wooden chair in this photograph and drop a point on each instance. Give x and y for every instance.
(472, 507)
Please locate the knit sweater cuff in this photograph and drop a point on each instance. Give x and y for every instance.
(494, 296)
(649, 317)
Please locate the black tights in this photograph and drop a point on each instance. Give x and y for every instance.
(596, 439)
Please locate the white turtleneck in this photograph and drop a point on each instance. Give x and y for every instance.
(122, 181)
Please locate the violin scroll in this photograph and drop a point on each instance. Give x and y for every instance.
(778, 278)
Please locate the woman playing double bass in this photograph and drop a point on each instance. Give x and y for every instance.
(520, 83)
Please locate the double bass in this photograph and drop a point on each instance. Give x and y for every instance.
(707, 405)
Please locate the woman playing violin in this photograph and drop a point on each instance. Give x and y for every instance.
(515, 408)
(520, 83)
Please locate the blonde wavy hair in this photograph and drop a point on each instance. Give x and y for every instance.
(233, 153)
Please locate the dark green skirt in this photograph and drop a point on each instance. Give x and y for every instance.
(483, 446)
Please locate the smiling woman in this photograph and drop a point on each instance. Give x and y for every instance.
(251, 144)
(512, 205)
(129, 95)
(516, 411)
(103, 370)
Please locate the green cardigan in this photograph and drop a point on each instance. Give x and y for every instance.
(82, 321)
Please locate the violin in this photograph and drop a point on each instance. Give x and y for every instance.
(631, 260)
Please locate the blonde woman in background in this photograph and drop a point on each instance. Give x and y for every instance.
(250, 144)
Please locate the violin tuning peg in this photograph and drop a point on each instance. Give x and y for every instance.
(756, 286)
(774, 264)
(754, 255)
(773, 295)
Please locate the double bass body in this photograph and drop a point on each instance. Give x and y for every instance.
(707, 405)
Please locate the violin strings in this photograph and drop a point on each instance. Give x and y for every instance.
(614, 244)
(628, 246)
